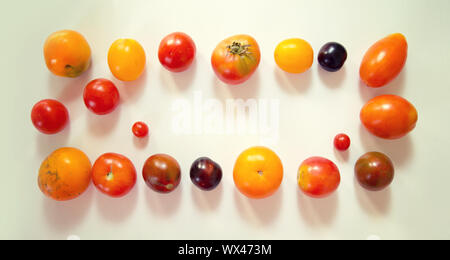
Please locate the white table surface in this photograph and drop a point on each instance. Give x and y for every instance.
(313, 108)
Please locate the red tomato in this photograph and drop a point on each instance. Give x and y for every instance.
(101, 96)
(114, 174)
(389, 116)
(176, 51)
(49, 116)
(384, 60)
(236, 58)
(140, 129)
(341, 142)
(318, 177)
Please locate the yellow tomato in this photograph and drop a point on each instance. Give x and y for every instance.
(294, 55)
(126, 59)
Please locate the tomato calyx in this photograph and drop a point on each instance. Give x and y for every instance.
(237, 48)
(109, 176)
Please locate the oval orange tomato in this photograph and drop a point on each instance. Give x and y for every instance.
(294, 55)
(258, 172)
(236, 58)
(126, 59)
(384, 60)
(318, 177)
(389, 116)
(67, 53)
(65, 174)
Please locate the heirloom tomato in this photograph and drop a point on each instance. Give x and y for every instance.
(318, 177)
(374, 171)
(161, 173)
(126, 59)
(176, 52)
(294, 55)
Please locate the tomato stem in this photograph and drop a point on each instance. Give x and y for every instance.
(238, 48)
(109, 176)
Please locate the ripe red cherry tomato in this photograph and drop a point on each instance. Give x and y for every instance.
(140, 129)
(341, 142)
(49, 116)
(235, 59)
(389, 116)
(318, 177)
(384, 60)
(101, 96)
(176, 52)
(114, 174)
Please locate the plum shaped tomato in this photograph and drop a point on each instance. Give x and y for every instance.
(258, 172)
(205, 173)
(384, 60)
(161, 173)
(341, 142)
(140, 129)
(176, 52)
(101, 96)
(318, 177)
(126, 59)
(332, 56)
(236, 58)
(49, 116)
(67, 53)
(64, 174)
(294, 55)
(389, 116)
(374, 171)
(113, 174)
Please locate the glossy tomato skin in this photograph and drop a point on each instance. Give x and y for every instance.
(389, 116)
(126, 59)
(205, 173)
(140, 129)
(318, 177)
(235, 59)
(176, 52)
(332, 56)
(294, 55)
(341, 142)
(374, 171)
(384, 60)
(258, 172)
(114, 174)
(49, 116)
(65, 174)
(161, 173)
(101, 96)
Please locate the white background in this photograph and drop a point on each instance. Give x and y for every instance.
(314, 107)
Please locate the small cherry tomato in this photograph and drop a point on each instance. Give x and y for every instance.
(114, 174)
(236, 58)
(140, 129)
(294, 55)
(101, 96)
(176, 52)
(332, 56)
(161, 173)
(341, 142)
(126, 59)
(318, 177)
(389, 116)
(49, 116)
(384, 60)
(374, 171)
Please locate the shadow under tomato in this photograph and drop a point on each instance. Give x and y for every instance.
(332, 79)
(178, 81)
(207, 201)
(131, 91)
(318, 212)
(260, 212)
(102, 125)
(373, 202)
(293, 83)
(140, 143)
(395, 87)
(45, 144)
(164, 205)
(247, 90)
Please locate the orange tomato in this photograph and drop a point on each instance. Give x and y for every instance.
(294, 55)
(384, 60)
(258, 172)
(126, 59)
(64, 174)
(67, 53)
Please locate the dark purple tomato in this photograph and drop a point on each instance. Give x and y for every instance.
(374, 171)
(332, 56)
(205, 173)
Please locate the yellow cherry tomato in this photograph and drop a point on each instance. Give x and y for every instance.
(126, 59)
(294, 55)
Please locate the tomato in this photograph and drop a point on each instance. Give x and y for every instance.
(64, 174)
(384, 60)
(374, 171)
(101, 96)
(113, 174)
(140, 129)
(236, 58)
(67, 53)
(332, 56)
(161, 173)
(341, 142)
(258, 172)
(318, 177)
(176, 52)
(205, 173)
(126, 59)
(389, 116)
(294, 55)
(49, 116)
